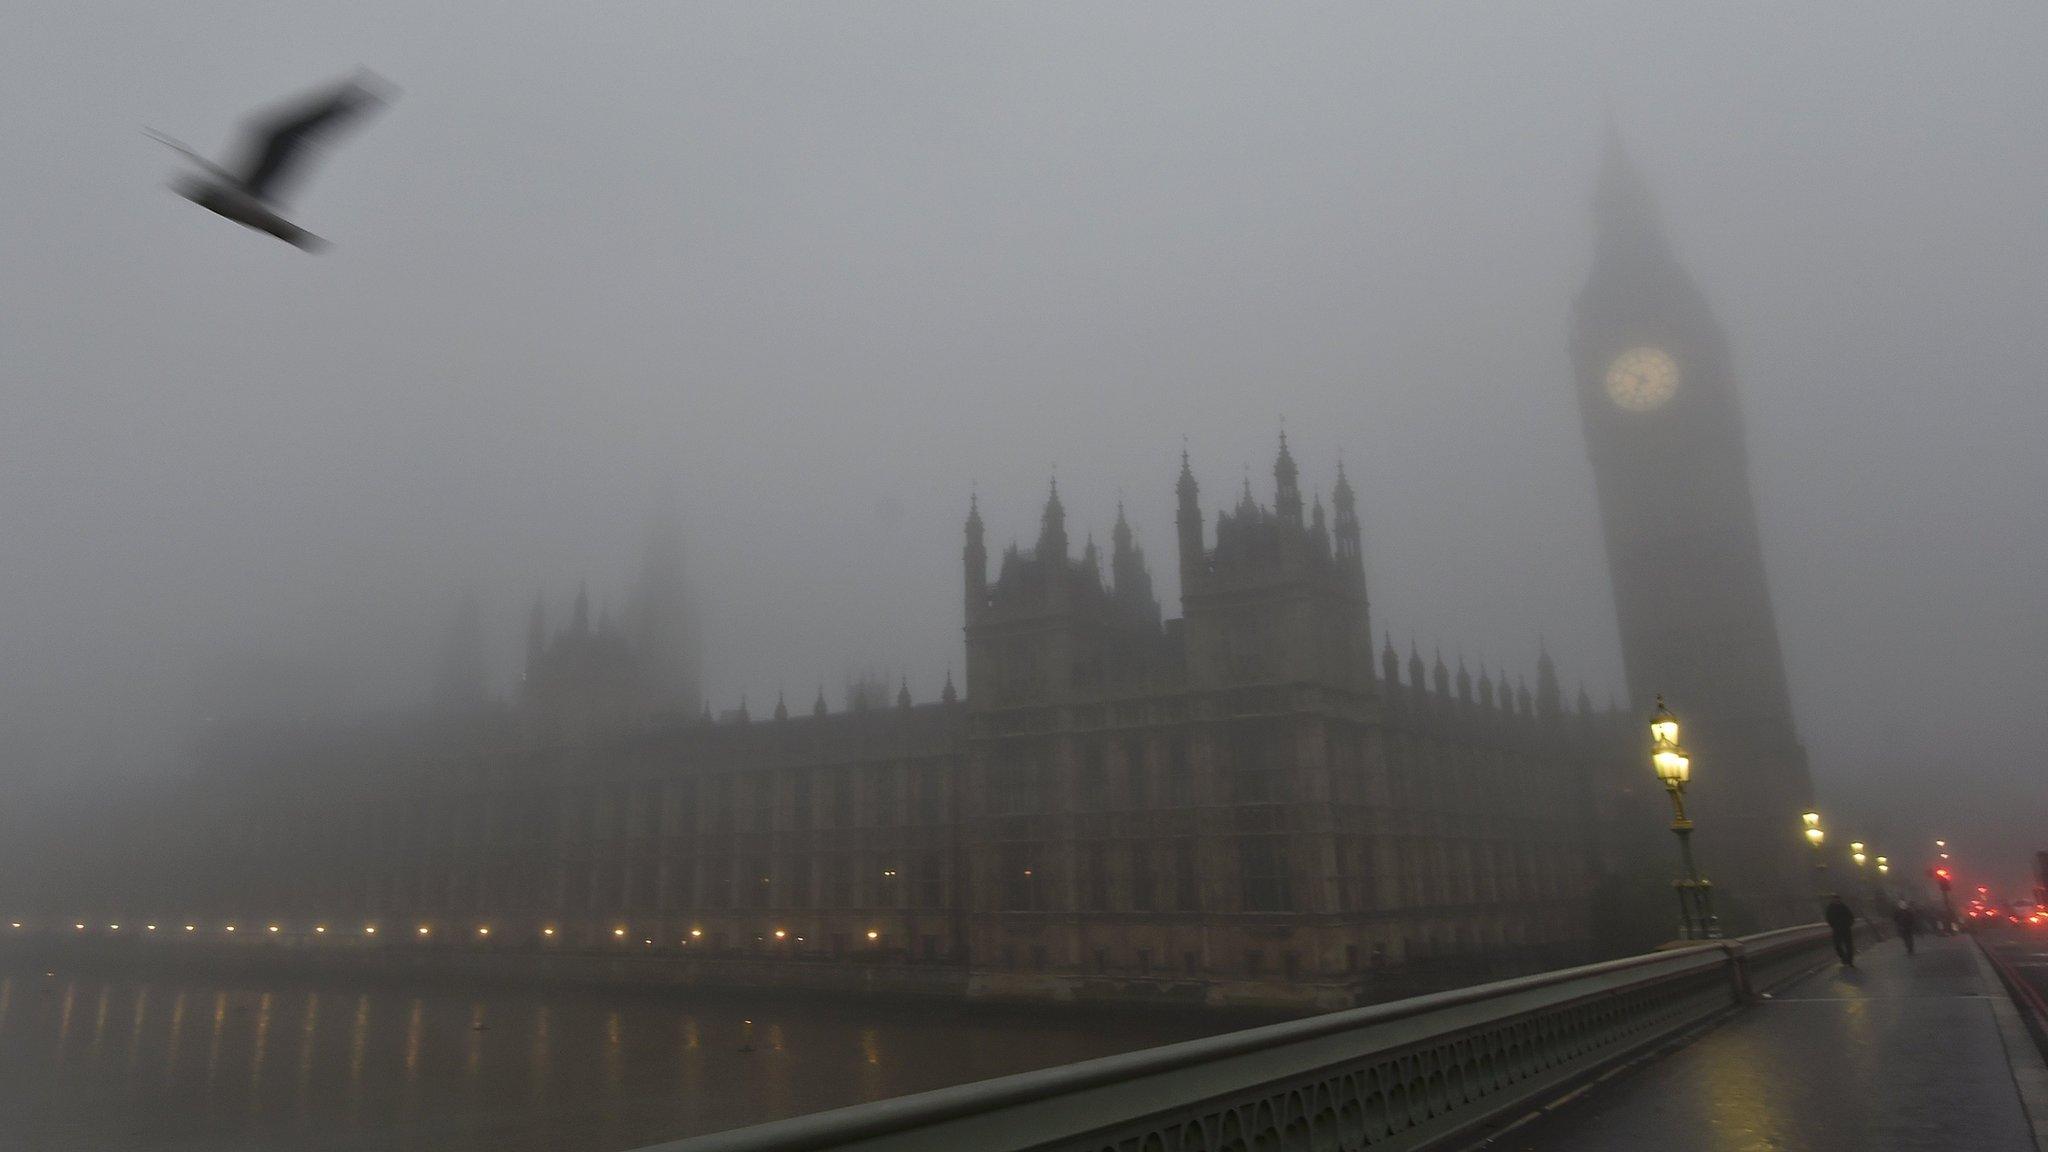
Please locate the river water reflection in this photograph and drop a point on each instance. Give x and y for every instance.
(95, 1060)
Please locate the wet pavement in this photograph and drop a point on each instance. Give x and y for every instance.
(1899, 1053)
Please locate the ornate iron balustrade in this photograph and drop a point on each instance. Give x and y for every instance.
(1402, 1075)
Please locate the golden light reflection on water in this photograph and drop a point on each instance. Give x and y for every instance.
(177, 1031)
(537, 1073)
(415, 1027)
(871, 1076)
(614, 1052)
(262, 1045)
(220, 1019)
(135, 1026)
(99, 1020)
(358, 1034)
(474, 1058)
(309, 1027)
(64, 1022)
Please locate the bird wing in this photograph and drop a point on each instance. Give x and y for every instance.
(278, 143)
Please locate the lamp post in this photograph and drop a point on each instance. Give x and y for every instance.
(1814, 836)
(1884, 869)
(1674, 768)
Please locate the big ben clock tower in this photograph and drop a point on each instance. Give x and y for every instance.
(1663, 425)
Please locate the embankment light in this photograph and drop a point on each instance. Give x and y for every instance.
(423, 929)
(369, 929)
(696, 933)
(779, 933)
(618, 932)
(874, 935)
(231, 927)
(80, 927)
(547, 931)
(14, 923)
(113, 927)
(273, 927)
(191, 927)
(322, 928)
(483, 929)
(150, 927)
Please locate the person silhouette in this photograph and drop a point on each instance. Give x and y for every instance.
(1843, 922)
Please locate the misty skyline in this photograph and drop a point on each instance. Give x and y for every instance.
(815, 274)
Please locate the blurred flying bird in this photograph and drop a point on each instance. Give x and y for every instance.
(277, 147)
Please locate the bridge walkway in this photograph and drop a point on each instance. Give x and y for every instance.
(1899, 1053)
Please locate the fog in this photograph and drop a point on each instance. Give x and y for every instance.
(810, 275)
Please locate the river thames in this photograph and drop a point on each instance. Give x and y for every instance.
(92, 1059)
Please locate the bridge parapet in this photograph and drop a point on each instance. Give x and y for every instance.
(1401, 1075)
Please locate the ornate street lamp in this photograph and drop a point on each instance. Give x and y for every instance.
(1814, 836)
(1674, 768)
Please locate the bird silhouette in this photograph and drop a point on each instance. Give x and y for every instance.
(277, 147)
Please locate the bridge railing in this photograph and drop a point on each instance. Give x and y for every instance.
(1401, 1075)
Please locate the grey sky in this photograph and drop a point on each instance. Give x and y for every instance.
(817, 269)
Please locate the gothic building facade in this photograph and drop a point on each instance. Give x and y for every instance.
(1236, 802)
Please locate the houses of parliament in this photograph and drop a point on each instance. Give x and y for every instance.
(1253, 799)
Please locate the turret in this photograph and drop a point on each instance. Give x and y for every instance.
(1390, 663)
(1350, 545)
(1286, 486)
(948, 695)
(1485, 688)
(1052, 532)
(1464, 682)
(781, 708)
(903, 695)
(1442, 676)
(818, 706)
(1415, 668)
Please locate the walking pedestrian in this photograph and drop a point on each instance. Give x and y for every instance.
(1902, 916)
(1843, 921)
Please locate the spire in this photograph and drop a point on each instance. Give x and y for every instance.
(745, 717)
(1631, 256)
(1120, 535)
(1485, 688)
(1188, 521)
(818, 705)
(1414, 666)
(1464, 681)
(947, 695)
(974, 556)
(903, 694)
(781, 708)
(1052, 528)
(1390, 661)
(1091, 562)
(1246, 506)
(1524, 704)
(1286, 485)
(1441, 676)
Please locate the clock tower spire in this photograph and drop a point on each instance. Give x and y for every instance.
(1664, 433)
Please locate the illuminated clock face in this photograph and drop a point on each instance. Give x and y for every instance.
(1642, 378)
